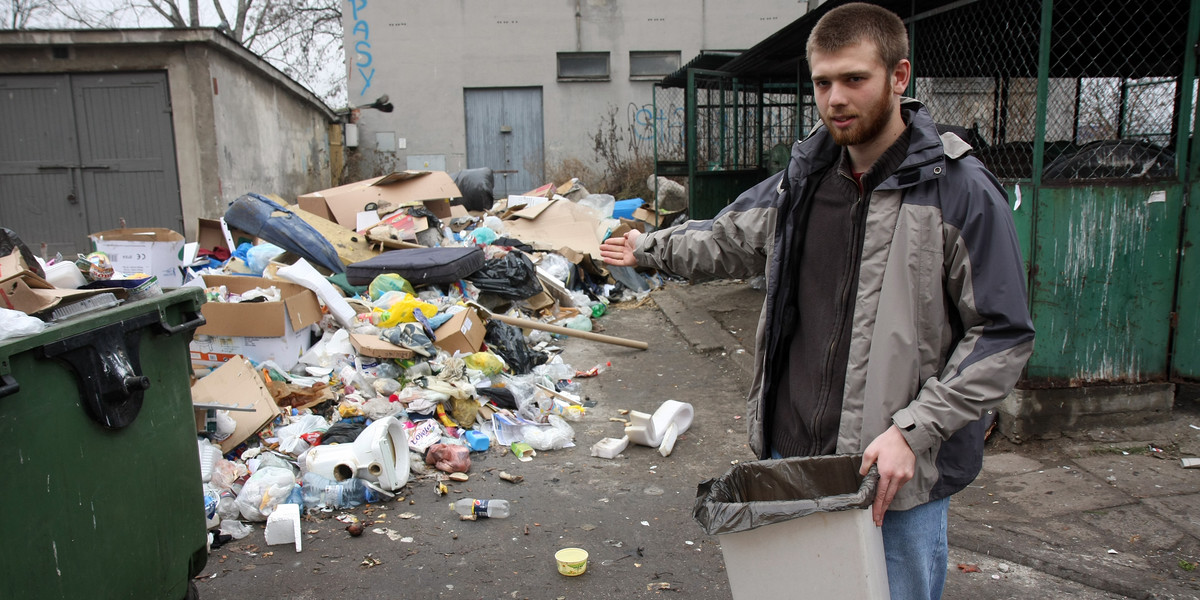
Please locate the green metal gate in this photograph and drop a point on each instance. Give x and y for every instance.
(1085, 111)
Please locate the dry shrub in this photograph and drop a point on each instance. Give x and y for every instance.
(620, 167)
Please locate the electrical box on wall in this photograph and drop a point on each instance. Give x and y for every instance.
(351, 135)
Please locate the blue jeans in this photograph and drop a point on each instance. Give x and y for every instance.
(914, 544)
(915, 548)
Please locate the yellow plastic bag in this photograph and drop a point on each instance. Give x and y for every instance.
(389, 282)
(402, 312)
(485, 362)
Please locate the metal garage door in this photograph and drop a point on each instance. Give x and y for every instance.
(504, 132)
(81, 152)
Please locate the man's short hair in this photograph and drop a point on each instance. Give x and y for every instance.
(852, 23)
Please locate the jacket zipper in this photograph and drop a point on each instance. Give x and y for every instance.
(815, 430)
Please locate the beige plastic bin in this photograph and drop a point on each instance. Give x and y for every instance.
(797, 528)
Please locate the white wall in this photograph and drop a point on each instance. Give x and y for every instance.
(423, 53)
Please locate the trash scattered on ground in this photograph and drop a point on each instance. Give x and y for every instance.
(348, 355)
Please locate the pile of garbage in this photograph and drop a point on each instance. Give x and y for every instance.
(352, 346)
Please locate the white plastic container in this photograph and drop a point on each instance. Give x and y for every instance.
(65, 275)
(825, 555)
(797, 528)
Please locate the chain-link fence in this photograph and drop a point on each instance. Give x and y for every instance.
(1113, 94)
(738, 126)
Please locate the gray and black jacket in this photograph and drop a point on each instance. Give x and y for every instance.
(941, 328)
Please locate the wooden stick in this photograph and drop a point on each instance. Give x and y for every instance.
(587, 335)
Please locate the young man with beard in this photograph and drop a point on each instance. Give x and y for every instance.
(895, 315)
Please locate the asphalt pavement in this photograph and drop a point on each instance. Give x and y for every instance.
(1111, 508)
(1097, 514)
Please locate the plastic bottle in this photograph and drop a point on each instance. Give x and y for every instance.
(472, 508)
(318, 491)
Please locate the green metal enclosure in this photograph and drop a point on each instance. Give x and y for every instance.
(1083, 109)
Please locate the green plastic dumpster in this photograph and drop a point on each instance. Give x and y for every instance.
(101, 479)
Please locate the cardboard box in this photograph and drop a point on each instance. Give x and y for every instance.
(463, 333)
(341, 204)
(371, 345)
(23, 290)
(278, 331)
(213, 234)
(235, 386)
(656, 219)
(150, 250)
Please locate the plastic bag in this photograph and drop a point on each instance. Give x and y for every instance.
(449, 458)
(235, 528)
(402, 311)
(485, 362)
(265, 489)
(507, 341)
(753, 494)
(603, 204)
(344, 431)
(389, 282)
(258, 257)
(513, 277)
(289, 435)
(558, 267)
(558, 434)
(476, 186)
(15, 324)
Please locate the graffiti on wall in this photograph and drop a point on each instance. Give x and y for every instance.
(669, 122)
(362, 44)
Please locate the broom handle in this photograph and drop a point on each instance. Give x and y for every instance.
(587, 335)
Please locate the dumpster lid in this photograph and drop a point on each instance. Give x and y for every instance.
(765, 492)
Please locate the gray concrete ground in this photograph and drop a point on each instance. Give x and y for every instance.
(1110, 508)
(1094, 515)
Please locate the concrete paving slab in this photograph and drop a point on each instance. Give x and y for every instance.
(1143, 476)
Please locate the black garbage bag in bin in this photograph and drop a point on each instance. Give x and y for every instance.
(754, 494)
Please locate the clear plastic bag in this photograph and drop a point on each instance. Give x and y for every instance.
(265, 489)
(558, 434)
(15, 324)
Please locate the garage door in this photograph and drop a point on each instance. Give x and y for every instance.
(83, 152)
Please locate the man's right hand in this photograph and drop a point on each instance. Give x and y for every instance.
(619, 250)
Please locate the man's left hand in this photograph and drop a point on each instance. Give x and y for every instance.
(897, 463)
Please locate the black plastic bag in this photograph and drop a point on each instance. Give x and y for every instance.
(502, 397)
(512, 277)
(343, 432)
(765, 492)
(476, 186)
(508, 342)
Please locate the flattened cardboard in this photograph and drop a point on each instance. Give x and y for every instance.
(150, 250)
(462, 333)
(341, 204)
(237, 384)
(561, 224)
(350, 246)
(371, 345)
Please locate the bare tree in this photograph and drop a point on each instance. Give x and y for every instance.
(302, 38)
(18, 13)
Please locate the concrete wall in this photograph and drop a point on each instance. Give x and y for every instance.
(423, 54)
(267, 139)
(240, 125)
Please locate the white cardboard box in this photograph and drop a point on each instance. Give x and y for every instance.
(149, 250)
